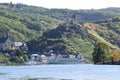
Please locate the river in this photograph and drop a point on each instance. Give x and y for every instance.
(67, 71)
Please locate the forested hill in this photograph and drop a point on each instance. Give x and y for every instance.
(73, 38)
(26, 22)
(79, 38)
(82, 15)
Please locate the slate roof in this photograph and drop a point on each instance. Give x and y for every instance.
(2, 40)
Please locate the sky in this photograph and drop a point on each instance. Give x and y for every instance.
(69, 4)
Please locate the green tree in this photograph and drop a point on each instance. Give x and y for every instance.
(3, 59)
(101, 53)
(19, 56)
(25, 57)
(18, 52)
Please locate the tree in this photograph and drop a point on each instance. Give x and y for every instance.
(101, 53)
(115, 56)
(19, 56)
(25, 57)
(3, 59)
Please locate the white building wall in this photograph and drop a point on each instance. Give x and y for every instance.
(8, 44)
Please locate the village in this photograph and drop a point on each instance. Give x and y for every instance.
(8, 46)
(50, 57)
(55, 57)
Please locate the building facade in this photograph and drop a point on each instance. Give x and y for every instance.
(6, 44)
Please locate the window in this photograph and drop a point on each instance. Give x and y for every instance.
(12, 45)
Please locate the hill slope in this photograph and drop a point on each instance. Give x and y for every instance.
(31, 21)
(27, 22)
(79, 39)
(72, 38)
(24, 25)
(82, 15)
(101, 39)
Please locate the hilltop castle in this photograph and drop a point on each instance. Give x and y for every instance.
(72, 21)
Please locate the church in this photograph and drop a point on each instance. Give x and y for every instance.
(7, 44)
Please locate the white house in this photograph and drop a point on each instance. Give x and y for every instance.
(35, 57)
(44, 59)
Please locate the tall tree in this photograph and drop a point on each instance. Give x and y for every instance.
(101, 53)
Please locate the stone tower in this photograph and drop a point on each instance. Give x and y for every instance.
(7, 34)
(74, 17)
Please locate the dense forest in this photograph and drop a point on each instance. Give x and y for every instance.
(45, 29)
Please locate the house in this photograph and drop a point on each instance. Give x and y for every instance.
(35, 57)
(62, 54)
(34, 60)
(24, 47)
(17, 45)
(20, 45)
(6, 44)
(44, 59)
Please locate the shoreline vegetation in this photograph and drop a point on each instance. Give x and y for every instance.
(104, 54)
(39, 79)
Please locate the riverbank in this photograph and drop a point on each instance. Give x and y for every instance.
(12, 64)
(40, 79)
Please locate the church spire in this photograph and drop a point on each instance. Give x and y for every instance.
(7, 34)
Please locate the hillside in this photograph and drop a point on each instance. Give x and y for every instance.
(69, 38)
(110, 30)
(79, 38)
(24, 25)
(83, 15)
(44, 29)
(27, 22)
(64, 38)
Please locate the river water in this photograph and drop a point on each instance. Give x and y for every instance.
(67, 71)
